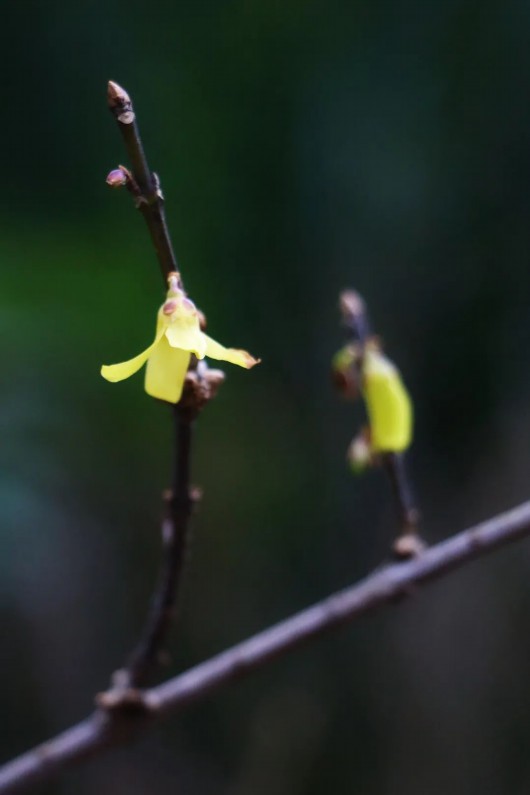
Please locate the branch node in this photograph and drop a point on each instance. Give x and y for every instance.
(123, 177)
(129, 703)
(201, 386)
(408, 545)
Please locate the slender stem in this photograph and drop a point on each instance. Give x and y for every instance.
(151, 201)
(357, 329)
(354, 317)
(394, 464)
(385, 586)
(179, 503)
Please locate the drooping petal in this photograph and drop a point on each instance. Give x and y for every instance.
(166, 371)
(388, 404)
(118, 372)
(216, 351)
(185, 333)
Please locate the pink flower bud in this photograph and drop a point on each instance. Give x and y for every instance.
(117, 178)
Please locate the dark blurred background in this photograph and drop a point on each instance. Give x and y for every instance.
(303, 147)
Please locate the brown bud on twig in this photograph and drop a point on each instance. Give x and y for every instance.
(201, 386)
(408, 545)
(120, 103)
(214, 378)
(354, 315)
(351, 305)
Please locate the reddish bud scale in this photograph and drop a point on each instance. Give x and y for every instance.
(169, 307)
(117, 178)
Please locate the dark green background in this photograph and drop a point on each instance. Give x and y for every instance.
(303, 147)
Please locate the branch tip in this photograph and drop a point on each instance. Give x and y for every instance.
(116, 95)
(351, 305)
(120, 103)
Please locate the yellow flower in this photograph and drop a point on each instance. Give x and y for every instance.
(387, 402)
(178, 335)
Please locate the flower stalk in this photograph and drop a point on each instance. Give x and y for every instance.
(178, 507)
(361, 368)
(144, 187)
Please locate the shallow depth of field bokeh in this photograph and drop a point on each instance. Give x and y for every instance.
(303, 148)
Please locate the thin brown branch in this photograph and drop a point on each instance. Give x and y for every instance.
(354, 317)
(149, 198)
(408, 514)
(175, 530)
(385, 586)
(144, 186)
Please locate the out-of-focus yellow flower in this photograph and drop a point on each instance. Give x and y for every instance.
(369, 372)
(178, 335)
(387, 402)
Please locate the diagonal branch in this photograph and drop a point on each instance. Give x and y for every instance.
(105, 729)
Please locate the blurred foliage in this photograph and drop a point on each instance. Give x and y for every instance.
(303, 147)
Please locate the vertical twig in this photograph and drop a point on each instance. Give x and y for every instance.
(148, 194)
(357, 330)
(175, 530)
(145, 188)
(394, 463)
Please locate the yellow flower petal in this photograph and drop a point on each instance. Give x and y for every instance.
(166, 371)
(216, 351)
(118, 372)
(185, 333)
(388, 404)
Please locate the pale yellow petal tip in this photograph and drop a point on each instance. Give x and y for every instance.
(250, 361)
(243, 358)
(109, 374)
